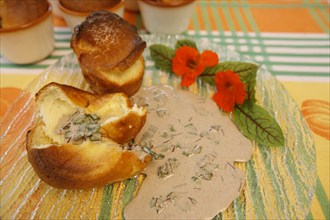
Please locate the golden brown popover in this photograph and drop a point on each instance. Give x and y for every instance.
(79, 139)
(109, 51)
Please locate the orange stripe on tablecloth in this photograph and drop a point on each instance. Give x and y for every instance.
(211, 17)
(285, 20)
(200, 18)
(59, 21)
(32, 202)
(7, 96)
(191, 25)
(223, 19)
(16, 122)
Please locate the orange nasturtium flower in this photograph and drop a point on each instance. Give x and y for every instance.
(189, 64)
(230, 90)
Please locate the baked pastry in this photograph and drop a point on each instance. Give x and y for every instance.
(14, 13)
(109, 51)
(88, 5)
(78, 140)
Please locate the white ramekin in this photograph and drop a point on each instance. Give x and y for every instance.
(30, 42)
(74, 18)
(56, 10)
(166, 19)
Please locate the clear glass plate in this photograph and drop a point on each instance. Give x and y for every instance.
(280, 182)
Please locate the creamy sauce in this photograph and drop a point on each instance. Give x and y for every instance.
(196, 179)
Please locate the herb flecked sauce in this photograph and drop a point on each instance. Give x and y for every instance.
(195, 178)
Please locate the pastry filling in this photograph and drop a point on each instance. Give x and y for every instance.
(79, 127)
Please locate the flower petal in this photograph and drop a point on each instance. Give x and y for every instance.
(230, 90)
(183, 56)
(187, 80)
(209, 58)
(240, 93)
(225, 101)
(198, 70)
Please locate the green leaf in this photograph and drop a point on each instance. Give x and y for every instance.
(185, 42)
(162, 56)
(258, 125)
(208, 75)
(246, 71)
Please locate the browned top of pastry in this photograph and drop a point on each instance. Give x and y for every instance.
(105, 41)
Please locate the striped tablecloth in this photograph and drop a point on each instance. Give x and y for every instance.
(291, 38)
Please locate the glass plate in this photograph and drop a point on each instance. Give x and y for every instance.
(280, 182)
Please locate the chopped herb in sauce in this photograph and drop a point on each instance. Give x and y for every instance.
(168, 168)
(154, 155)
(196, 149)
(191, 129)
(79, 127)
(175, 198)
(162, 112)
(206, 169)
(152, 130)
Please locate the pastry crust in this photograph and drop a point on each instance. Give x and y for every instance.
(128, 82)
(109, 51)
(62, 163)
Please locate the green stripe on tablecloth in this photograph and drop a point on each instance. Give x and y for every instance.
(106, 202)
(231, 26)
(235, 35)
(217, 217)
(310, 216)
(283, 54)
(287, 73)
(239, 204)
(33, 66)
(317, 18)
(194, 21)
(322, 198)
(129, 190)
(298, 64)
(62, 48)
(243, 27)
(206, 17)
(255, 29)
(259, 207)
(139, 22)
(216, 17)
(324, 11)
(63, 40)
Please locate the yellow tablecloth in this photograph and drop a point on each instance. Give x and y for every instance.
(291, 38)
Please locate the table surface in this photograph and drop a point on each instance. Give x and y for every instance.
(290, 38)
